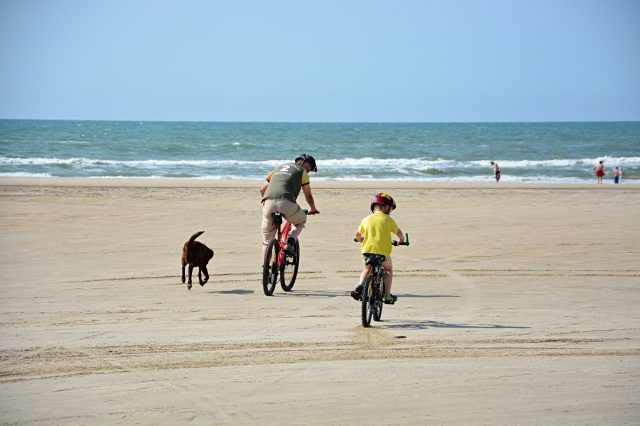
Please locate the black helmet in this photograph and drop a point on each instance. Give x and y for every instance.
(308, 159)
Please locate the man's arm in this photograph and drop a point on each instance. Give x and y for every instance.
(264, 188)
(309, 197)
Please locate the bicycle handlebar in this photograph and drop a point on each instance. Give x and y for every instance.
(394, 242)
(405, 243)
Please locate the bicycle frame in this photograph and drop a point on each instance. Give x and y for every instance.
(278, 264)
(373, 291)
(283, 235)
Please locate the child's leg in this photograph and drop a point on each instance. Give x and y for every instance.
(388, 279)
(356, 294)
(365, 270)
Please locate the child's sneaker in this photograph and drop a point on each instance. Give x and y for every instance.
(390, 300)
(357, 293)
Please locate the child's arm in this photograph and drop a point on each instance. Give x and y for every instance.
(359, 236)
(400, 235)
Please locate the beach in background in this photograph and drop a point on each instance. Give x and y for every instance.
(555, 153)
(517, 304)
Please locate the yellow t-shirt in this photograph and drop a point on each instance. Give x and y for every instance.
(376, 230)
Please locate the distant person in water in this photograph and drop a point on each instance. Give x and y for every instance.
(599, 169)
(616, 175)
(496, 170)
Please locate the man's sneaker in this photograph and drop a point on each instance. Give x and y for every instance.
(357, 293)
(390, 300)
(290, 247)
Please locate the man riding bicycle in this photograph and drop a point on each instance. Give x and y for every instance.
(279, 194)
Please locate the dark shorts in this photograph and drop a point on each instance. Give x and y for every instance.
(373, 259)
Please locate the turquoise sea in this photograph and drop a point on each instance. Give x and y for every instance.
(429, 152)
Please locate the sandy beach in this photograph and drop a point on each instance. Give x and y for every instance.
(517, 304)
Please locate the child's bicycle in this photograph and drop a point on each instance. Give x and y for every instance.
(373, 288)
(277, 263)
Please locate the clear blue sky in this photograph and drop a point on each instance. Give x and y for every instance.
(324, 60)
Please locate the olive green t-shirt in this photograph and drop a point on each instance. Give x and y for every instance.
(286, 181)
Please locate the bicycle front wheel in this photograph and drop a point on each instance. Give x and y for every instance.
(367, 301)
(289, 269)
(270, 268)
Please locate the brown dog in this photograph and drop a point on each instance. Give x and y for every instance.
(194, 253)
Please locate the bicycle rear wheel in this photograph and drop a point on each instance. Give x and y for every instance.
(289, 269)
(270, 268)
(367, 301)
(378, 299)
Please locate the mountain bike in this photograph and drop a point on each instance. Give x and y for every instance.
(277, 263)
(373, 288)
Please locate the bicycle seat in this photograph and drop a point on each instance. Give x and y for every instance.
(373, 259)
(277, 218)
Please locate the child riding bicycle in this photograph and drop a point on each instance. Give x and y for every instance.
(374, 233)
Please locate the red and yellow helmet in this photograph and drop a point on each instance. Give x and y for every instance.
(382, 199)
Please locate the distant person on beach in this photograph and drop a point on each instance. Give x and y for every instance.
(496, 170)
(616, 175)
(599, 169)
(621, 175)
(279, 194)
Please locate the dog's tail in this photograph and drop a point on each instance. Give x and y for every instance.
(193, 238)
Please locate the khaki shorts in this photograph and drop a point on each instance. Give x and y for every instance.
(291, 211)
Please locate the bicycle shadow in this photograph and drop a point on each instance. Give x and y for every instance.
(277, 293)
(311, 293)
(426, 295)
(238, 292)
(423, 325)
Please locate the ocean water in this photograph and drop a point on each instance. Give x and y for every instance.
(428, 152)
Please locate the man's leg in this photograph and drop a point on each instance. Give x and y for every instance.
(298, 219)
(294, 214)
(267, 227)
